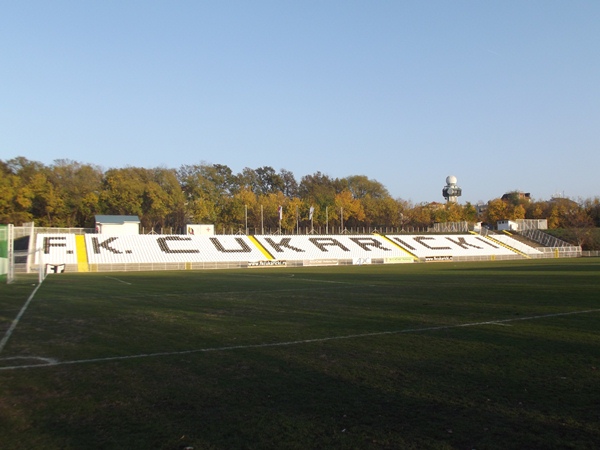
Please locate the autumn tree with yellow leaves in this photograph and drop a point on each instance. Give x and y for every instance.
(69, 194)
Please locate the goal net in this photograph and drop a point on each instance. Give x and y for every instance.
(20, 261)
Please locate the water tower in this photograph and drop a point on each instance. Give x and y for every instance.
(451, 191)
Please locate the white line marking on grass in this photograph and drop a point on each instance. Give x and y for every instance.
(289, 343)
(335, 282)
(221, 294)
(15, 322)
(312, 280)
(48, 361)
(120, 281)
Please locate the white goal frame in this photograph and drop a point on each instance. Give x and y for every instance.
(29, 266)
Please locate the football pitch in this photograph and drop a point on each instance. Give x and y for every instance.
(486, 355)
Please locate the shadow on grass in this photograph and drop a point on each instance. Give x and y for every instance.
(342, 395)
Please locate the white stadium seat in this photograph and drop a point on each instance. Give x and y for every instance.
(315, 247)
(169, 249)
(452, 245)
(57, 248)
(517, 245)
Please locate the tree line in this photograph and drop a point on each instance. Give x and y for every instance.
(69, 194)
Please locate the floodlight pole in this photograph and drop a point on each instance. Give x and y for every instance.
(280, 216)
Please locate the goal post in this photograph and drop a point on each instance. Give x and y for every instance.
(18, 263)
(26, 266)
(4, 256)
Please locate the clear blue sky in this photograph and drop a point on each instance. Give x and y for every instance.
(505, 95)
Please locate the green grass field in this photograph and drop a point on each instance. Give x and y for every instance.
(499, 355)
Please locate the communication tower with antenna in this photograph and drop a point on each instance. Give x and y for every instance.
(451, 191)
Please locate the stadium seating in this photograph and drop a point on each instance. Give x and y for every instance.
(170, 249)
(175, 251)
(450, 246)
(517, 245)
(315, 247)
(57, 248)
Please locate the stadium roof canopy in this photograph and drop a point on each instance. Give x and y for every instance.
(116, 219)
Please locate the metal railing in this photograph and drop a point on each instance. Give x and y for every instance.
(451, 227)
(544, 238)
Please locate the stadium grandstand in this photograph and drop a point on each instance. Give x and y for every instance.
(83, 250)
(96, 252)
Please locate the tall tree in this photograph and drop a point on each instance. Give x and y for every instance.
(79, 186)
(270, 181)
(420, 216)
(318, 191)
(361, 186)
(290, 185)
(270, 204)
(24, 168)
(123, 192)
(242, 210)
(24, 185)
(469, 213)
(205, 188)
(497, 209)
(47, 206)
(248, 179)
(592, 208)
(351, 209)
(15, 197)
(292, 211)
(319, 188)
(164, 202)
